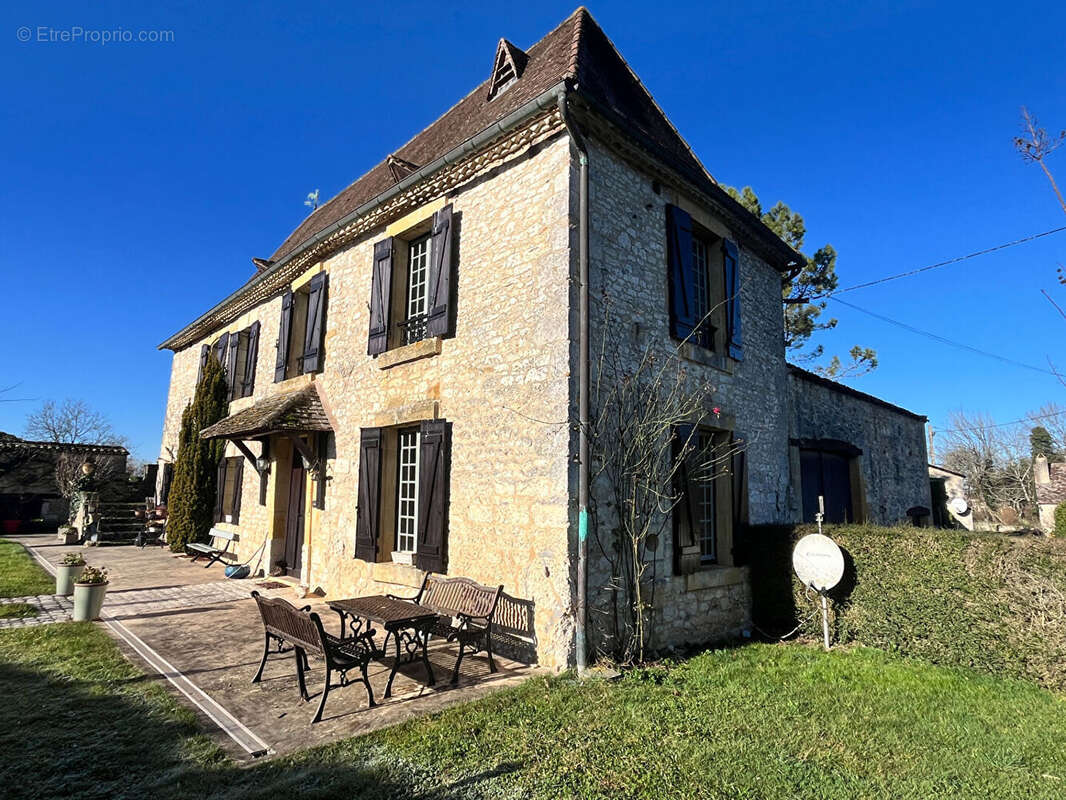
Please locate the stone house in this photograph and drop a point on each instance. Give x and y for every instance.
(409, 369)
(1050, 479)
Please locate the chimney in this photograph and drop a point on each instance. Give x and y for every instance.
(1041, 473)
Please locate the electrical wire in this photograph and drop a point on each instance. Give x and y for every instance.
(939, 264)
(1004, 424)
(944, 340)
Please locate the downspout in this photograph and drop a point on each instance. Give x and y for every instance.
(581, 611)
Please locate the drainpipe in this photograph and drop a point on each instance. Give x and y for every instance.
(581, 611)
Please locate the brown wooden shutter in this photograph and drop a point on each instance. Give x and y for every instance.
(380, 298)
(205, 353)
(686, 545)
(369, 495)
(434, 467)
(238, 479)
(440, 321)
(168, 477)
(233, 344)
(220, 350)
(732, 306)
(283, 337)
(682, 273)
(315, 332)
(220, 490)
(248, 379)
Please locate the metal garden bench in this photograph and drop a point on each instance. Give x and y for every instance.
(465, 610)
(211, 551)
(300, 630)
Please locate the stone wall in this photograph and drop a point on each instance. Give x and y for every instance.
(893, 463)
(628, 267)
(503, 382)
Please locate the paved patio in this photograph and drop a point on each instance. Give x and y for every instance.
(209, 631)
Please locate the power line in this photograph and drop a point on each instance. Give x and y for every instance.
(928, 267)
(1004, 424)
(944, 340)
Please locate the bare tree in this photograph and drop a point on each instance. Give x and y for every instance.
(71, 423)
(644, 445)
(996, 460)
(1035, 145)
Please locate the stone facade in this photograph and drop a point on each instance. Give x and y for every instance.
(892, 462)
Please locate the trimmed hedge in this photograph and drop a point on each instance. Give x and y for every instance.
(1060, 519)
(992, 602)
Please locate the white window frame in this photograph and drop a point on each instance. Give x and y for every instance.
(416, 302)
(701, 261)
(408, 456)
(707, 505)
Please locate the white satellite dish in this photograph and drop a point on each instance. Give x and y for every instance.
(959, 505)
(818, 562)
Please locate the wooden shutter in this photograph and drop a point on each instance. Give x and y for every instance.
(686, 545)
(380, 298)
(369, 495)
(681, 272)
(238, 478)
(740, 504)
(220, 350)
(315, 332)
(168, 477)
(205, 353)
(283, 337)
(434, 467)
(248, 379)
(732, 306)
(220, 490)
(439, 320)
(233, 344)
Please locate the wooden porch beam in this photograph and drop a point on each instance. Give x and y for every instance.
(247, 453)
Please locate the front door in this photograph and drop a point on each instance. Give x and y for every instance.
(294, 518)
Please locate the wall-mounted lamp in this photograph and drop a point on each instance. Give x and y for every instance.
(262, 464)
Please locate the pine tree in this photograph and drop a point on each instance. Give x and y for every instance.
(1041, 443)
(192, 494)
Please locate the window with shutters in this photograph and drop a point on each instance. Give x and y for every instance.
(302, 330)
(411, 292)
(228, 508)
(703, 513)
(402, 512)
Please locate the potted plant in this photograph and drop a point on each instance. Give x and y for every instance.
(67, 572)
(89, 591)
(67, 534)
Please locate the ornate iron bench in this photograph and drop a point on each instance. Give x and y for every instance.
(212, 551)
(465, 610)
(300, 630)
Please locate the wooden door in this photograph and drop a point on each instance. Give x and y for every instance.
(294, 518)
(829, 475)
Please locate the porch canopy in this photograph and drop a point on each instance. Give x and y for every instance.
(290, 414)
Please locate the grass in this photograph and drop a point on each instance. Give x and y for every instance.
(763, 721)
(17, 610)
(20, 575)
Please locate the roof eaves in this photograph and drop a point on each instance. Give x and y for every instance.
(832, 385)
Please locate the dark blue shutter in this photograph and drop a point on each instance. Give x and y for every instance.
(315, 332)
(283, 337)
(368, 495)
(686, 513)
(434, 467)
(248, 379)
(732, 307)
(440, 321)
(380, 298)
(682, 273)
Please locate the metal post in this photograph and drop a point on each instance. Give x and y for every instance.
(825, 621)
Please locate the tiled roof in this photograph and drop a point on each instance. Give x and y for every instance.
(9, 442)
(1054, 492)
(296, 412)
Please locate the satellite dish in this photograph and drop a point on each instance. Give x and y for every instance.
(818, 562)
(959, 505)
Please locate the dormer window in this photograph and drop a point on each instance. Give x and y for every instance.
(507, 67)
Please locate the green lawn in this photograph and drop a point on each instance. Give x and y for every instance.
(763, 721)
(17, 610)
(20, 575)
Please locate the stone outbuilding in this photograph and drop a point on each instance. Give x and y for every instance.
(1050, 481)
(406, 370)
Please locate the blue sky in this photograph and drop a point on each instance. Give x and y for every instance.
(138, 180)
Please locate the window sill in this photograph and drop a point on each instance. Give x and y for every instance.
(708, 358)
(713, 576)
(409, 352)
(406, 575)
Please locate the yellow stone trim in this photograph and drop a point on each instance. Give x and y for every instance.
(420, 214)
(409, 352)
(401, 415)
(305, 279)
